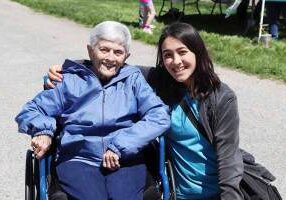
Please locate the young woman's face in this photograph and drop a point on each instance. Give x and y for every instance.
(179, 61)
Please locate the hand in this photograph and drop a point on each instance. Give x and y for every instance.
(41, 144)
(110, 160)
(54, 74)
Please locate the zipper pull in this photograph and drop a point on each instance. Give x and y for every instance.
(103, 96)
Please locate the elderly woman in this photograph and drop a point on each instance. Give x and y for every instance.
(108, 114)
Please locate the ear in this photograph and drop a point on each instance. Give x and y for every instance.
(90, 52)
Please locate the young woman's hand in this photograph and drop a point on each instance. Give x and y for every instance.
(110, 160)
(41, 144)
(54, 74)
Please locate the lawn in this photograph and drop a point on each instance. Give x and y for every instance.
(228, 47)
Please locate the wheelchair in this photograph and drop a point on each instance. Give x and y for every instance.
(39, 176)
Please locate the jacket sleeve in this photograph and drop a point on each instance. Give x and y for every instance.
(37, 117)
(154, 121)
(226, 138)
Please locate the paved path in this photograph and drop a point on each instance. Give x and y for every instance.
(30, 42)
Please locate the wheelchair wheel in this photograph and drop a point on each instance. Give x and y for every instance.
(31, 177)
(171, 180)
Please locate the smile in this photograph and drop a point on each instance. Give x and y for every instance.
(179, 69)
(108, 65)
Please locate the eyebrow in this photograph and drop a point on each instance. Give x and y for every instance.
(180, 48)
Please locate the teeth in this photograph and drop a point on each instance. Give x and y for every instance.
(108, 65)
(178, 69)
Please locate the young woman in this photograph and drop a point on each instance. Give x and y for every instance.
(206, 167)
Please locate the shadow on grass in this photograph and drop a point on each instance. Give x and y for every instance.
(133, 24)
(215, 23)
(244, 25)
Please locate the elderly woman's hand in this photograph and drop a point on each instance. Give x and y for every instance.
(41, 144)
(54, 74)
(110, 160)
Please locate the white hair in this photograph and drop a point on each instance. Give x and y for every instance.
(111, 31)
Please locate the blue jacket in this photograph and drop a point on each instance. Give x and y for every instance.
(123, 115)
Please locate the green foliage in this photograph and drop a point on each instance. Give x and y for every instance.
(246, 55)
(226, 48)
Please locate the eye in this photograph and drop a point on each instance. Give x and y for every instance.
(183, 52)
(118, 52)
(167, 55)
(104, 50)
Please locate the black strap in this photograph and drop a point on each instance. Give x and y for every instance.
(193, 119)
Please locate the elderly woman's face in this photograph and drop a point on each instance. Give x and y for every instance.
(107, 57)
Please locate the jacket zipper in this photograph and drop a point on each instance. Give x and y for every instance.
(103, 101)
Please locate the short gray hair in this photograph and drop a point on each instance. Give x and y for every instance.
(111, 31)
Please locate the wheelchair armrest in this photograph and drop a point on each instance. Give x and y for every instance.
(44, 171)
(162, 169)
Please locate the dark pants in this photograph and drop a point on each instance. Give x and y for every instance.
(274, 10)
(85, 182)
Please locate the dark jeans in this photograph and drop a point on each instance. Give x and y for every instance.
(274, 10)
(85, 182)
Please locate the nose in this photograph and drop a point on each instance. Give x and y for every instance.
(177, 59)
(111, 56)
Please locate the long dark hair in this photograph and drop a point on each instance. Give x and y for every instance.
(203, 80)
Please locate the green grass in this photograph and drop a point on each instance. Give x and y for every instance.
(221, 36)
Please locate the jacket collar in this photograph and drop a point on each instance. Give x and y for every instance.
(83, 68)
